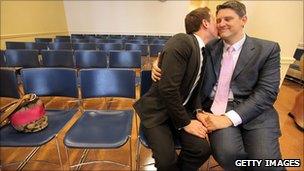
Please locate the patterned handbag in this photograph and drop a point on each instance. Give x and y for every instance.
(25, 115)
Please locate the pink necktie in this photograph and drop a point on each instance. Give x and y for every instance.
(220, 101)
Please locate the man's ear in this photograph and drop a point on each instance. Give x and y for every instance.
(244, 20)
(205, 23)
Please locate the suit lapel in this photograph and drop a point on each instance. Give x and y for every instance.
(216, 56)
(246, 54)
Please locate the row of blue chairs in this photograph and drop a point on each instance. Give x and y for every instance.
(71, 59)
(95, 129)
(146, 50)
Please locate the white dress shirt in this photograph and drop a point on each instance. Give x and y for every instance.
(201, 44)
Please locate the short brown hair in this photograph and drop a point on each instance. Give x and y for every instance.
(194, 19)
(236, 6)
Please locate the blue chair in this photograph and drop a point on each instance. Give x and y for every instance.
(90, 59)
(121, 41)
(9, 84)
(43, 82)
(136, 41)
(125, 59)
(36, 46)
(144, 48)
(22, 58)
(158, 41)
(62, 40)
(155, 49)
(84, 46)
(80, 40)
(43, 40)
(57, 58)
(2, 59)
(60, 46)
(103, 129)
(109, 46)
(15, 45)
(146, 83)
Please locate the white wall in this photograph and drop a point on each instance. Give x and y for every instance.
(126, 17)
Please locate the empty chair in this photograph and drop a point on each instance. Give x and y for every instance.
(84, 46)
(155, 49)
(43, 40)
(113, 36)
(60, 46)
(135, 41)
(144, 48)
(109, 46)
(90, 59)
(99, 40)
(43, 82)
(67, 40)
(2, 59)
(15, 45)
(115, 41)
(80, 40)
(57, 58)
(8, 83)
(125, 59)
(103, 129)
(36, 46)
(22, 58)
(63, 37)
(158, 41)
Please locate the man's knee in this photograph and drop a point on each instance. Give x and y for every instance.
(200, 150)
(227, 157)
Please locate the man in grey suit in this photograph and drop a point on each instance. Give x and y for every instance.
(241, 83)
(243, 76)
(167, 110)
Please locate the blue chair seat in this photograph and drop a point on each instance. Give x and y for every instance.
(100, 129)
(56, 120)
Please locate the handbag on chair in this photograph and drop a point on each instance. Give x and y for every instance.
(25, 115)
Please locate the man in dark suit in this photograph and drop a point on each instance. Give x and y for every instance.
(167, 110)
(243, 75)
(241, 83)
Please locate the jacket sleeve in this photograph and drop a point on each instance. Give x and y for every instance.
(173, 65)
(265, 92)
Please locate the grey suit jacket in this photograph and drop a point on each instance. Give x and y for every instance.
(255, 81)
(179, 62)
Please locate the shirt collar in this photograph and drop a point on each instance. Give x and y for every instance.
(200, 41)
(238, 45)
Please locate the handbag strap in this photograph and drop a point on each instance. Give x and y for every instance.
(11, 107)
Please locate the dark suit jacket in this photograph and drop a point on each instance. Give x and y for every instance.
(255, 81)
(179, 62)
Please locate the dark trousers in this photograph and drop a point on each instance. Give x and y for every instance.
(194, 150)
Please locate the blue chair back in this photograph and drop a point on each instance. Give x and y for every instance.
(146, 81)
(36, 45)
(57, 58)
(62, 40)
(8, 84)
(15, 45)
(155, 49)
(109, 46)
(125, 59)
(22, 58)
(60, 46)
(90, 59)
(84, 46)
(121, 41)
(81, 40)
(2, 59)
(107, 83)
(43, 40)
(50, 81)
(144, 48)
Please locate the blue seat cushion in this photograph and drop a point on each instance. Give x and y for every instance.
(56, 121)
(100, 129)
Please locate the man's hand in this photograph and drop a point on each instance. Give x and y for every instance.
(202, 118)
(156, 71)
(215, 122)
(196, 128)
